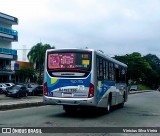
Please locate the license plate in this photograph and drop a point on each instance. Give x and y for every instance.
(67, 95)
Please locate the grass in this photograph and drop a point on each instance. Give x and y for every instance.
(143, 87)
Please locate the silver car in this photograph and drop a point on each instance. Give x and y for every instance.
(30, 88)
(9, 84)
(134, 88)
(3, 87)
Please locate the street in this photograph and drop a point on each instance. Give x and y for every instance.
(141, 110)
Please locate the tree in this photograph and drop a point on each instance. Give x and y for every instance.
(37, 56)
(153, 60)
(138, 67)
(25, 73)
(154, 76)
(146, 68)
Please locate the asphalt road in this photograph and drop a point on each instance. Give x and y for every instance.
(141, 110)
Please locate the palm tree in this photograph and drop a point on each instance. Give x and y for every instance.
(37, 56)
(25, 73)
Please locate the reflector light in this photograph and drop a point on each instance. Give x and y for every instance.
(91, 91)
(45, 90)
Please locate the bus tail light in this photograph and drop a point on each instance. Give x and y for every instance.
(91, 90)
(45, 90)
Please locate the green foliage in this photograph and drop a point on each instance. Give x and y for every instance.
(137, 66)
(37, 56)
(154, 75)
(143, 87)
(26, 73)
(144, 70)
(153, 60)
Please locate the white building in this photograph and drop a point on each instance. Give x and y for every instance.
(7, 54)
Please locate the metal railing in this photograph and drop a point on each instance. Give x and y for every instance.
(8, 31)
(8, 51)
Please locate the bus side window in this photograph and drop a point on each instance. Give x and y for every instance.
(111, 72)
(122, 75)
(100, 68)
(117, 75)
(97, 68)
(106, 70)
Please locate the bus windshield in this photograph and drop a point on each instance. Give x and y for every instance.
(69, 61)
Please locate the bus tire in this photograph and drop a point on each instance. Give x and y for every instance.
(121, 105)
(69, 108)
(26, 94)
(108, 108)
(17, 95)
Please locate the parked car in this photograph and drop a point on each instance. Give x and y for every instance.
(1, 91)
(17, 91)
(134, 88)
(9, 84)
(38, 90)
(30, 88)
(21, 84)
(3, 87)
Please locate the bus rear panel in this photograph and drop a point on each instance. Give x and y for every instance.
(83, 77)
(68, 78)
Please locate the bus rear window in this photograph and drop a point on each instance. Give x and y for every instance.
(69, 61)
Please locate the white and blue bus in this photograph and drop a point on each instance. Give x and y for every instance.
(83, 77)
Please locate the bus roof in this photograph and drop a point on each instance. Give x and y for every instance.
(110, 59)
(92, 50)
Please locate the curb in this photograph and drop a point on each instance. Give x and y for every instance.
(135, 92)
(20, 105)
(24, 104)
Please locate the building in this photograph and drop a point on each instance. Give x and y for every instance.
(7, 54)
(18, 65)
(19, 69)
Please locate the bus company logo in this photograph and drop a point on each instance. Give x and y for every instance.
(6, 130)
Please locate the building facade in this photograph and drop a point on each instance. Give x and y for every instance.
(7, 54)
(23, 67)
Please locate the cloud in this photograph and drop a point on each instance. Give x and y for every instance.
(117, 26)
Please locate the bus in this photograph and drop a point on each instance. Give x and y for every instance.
(78, 78)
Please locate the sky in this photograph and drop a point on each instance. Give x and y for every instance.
(117, 27)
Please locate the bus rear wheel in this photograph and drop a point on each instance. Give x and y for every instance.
(121, 105)
(69, 108)
(108, 108)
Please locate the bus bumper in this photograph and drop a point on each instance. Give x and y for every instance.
(69, 101)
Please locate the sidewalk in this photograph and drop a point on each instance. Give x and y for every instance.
(7, 103)
(143, 91)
